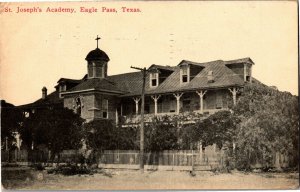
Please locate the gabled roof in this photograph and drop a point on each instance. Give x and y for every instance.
(168, 68)
(243, 60)
(223, 77)
(130, 84)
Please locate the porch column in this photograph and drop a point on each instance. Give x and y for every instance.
(201, 94)
(233, 92)
(136, 100)
(155, 98)
(177, 96)
(121, 111)
(117, 117)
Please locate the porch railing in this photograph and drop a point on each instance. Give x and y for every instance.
(134, 119)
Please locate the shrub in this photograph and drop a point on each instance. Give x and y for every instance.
(70, 170)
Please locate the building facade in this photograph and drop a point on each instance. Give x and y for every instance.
(169, 90)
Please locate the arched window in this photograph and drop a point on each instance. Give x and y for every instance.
(78, 106)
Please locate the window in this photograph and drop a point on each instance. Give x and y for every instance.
(147, 108)
(248, 78)
(62, 87)
(184, 74)
(98, 72)
(105, 108)
(78, 106)
(219, 101)
(153, 79)
(90, 70)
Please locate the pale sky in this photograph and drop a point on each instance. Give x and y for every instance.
(36, 49)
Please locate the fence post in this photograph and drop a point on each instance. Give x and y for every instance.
(201, 159)
(192, 160)
(173, 160)
(16, 155)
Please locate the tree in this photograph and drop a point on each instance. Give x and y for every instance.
(57, 128)
(161, 134)
(11, 118)
(218, 128)
(100, 134)
(269, 124)
(103, 134)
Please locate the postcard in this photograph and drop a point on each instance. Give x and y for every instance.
(143, 95)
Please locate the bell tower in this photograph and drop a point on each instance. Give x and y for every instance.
(97, 62)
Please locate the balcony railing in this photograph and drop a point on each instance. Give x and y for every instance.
(188, 117)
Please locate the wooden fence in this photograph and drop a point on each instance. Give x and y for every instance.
(175, 158)
(130, 158)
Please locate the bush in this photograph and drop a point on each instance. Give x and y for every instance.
(38, 166)
(70, 170)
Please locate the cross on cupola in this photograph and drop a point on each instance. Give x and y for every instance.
(97, 62)
(97, 39)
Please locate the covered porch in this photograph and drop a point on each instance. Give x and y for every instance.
(178, 103)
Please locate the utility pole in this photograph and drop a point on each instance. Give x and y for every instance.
(144, 71)
(6, 144)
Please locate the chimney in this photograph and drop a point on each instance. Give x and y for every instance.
(44, 93)
(210, 77)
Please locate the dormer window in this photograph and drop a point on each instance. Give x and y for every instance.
(185, 74)
(154, 79)
(210, 77)
(62, 87)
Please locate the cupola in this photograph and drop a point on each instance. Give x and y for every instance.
(97, 63)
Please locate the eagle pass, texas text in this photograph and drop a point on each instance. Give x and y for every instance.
(108, 9)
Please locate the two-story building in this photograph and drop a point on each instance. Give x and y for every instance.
(187, 87)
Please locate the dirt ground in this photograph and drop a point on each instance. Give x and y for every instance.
(130, 179)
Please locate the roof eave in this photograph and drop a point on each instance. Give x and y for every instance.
(186, 90)
(91, 90)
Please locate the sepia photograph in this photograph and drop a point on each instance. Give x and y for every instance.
(149, 95)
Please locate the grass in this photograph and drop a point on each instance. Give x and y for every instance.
(130, 179)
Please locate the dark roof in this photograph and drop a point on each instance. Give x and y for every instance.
(130, 84)
(97, 54)
(69, 80)
(97, 84)
(4, 104)
(223, 77)
(51, 99)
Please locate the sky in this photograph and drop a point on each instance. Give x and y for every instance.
(37, 49)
